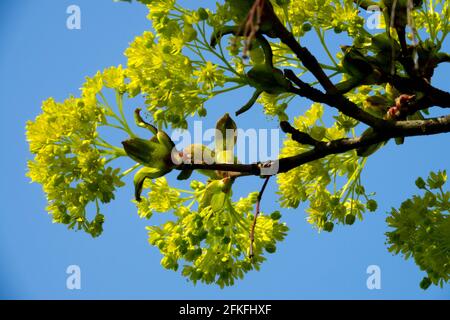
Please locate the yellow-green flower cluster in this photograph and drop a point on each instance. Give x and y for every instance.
(221, 16)
(164, 76)
(114, 78)
(211, 243)
(435, 20)
(173, 85)
(209, 76)
(317, 181)
(422, 229)
(160, 198)
(340, 15)
(273, 105)
(67, 162)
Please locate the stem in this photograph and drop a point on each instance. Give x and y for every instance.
(228, 89)
(258, 202)
(234, 215)
(324, 45)
(210, 49)
(353, 178)
(119, 99)
(128, 171)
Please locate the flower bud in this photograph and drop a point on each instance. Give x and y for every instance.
(420, 183)
(350, 219)
(306, 27)
(425, 283)
(270, 248)
(372, 205)
(225, 133)
(202, 14)
(139, 150)
(276, 215)
(202, 112)
(328, 226)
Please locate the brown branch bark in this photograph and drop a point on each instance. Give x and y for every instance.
(337, 101)
(300, 137)
(257, 210)
(437, 97)
(303, 54)
(383, 129)
(397, 129)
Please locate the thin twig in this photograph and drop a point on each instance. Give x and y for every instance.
(299, 136)
(257, 209)
(337, 101)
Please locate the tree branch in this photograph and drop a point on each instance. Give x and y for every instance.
(297, 135)
(257, 210)
(303, 54)
(337, 101)
(397, 129)
(437, 97)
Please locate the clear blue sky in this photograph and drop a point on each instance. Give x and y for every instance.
(39, 58)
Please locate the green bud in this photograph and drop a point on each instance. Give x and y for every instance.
(420, 183)
(425, 283)
(372, 205)
(270, 248)
(350, 219)
(65, 219)
(306, 27)
(360, 190)
(202, 14)
(337, 29)
(276, 215)
(328, 226)
(139, 150)
(334, 201)
(225, 133)
(154, 153)
(202, 112)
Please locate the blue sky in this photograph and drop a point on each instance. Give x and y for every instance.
(40, 57)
